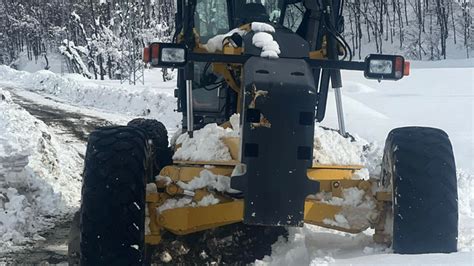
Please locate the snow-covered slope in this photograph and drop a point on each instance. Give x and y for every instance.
(153, 100)
(438, 95)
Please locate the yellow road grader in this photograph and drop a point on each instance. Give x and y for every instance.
(273, 63)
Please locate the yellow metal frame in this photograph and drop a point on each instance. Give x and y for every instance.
(228, 49)
(181, 221)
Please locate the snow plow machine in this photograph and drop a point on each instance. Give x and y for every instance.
(262, 71)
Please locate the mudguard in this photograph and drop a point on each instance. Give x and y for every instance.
(277, 141)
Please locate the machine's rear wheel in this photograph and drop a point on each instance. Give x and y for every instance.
(113, 197)
(419, 166)
(157, 132)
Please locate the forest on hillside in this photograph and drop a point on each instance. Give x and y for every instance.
(104, 38)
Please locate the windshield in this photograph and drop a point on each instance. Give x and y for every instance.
(247, 11)
(211, 17)
(272, 8)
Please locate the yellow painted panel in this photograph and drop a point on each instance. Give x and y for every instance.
(152, 197)
(153, 239)
(233, 143)
(229, 49)
(333, 185)
(383, 196)
(315, 212)
(329, 174)
(187, 220)
(331, 166)
(224, 163)
(318, 54)
(187, 173)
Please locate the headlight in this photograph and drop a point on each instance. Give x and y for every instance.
(386, 67)
(165, 55)
(380, 66)
(173, 55)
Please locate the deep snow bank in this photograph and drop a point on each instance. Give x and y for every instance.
(39, 177)
(145, 101)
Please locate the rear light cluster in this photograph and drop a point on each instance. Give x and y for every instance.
(402, 67)
(406, 68)
(151, 54)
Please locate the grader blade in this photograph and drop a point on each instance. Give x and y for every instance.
(277, 142)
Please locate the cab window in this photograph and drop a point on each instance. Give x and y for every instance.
(294, 16)
(211, 18)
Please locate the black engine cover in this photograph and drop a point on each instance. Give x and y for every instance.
(277, 141)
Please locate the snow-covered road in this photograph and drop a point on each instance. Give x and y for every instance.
(71, 128)
(75, 126)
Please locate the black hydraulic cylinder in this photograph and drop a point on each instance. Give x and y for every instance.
(330, 12)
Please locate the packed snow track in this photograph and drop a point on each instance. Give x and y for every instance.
(72, 124)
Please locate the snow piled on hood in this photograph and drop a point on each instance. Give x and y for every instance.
(332, 148)
(131, 100)
(38, 177)
(207, 143)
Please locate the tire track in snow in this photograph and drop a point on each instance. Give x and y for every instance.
(76, 125)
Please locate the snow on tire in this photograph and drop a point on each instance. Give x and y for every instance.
(113, 197)
(419, 165)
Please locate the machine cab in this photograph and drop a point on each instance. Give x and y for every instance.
(213, 100)
(303, 30)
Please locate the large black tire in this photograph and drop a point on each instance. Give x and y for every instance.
(113, 197)
(419, 165)
(157, 132)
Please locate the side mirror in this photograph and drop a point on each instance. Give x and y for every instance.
(386, 67)
(165, 55)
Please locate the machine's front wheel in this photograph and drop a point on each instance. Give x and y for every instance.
(418, 165)
(113, 197)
